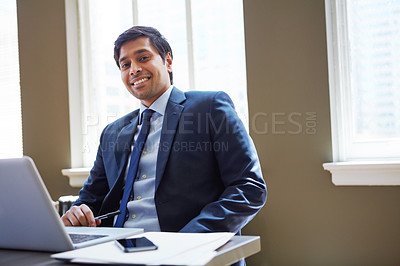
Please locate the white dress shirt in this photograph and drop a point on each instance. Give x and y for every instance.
(141, 206)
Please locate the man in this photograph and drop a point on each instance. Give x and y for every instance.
(198, 171)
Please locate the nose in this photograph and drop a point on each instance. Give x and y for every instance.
(135, 69)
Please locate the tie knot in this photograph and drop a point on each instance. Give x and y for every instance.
(146, 115)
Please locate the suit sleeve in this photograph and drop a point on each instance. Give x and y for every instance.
(245, 189)
(96, 186)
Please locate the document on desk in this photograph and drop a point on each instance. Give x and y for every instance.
(173, 249)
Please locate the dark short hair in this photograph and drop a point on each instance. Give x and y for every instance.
(156, 39)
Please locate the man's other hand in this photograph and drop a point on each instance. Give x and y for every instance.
(80, 216)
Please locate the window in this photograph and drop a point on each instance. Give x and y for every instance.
(10, 99)
(208, 50)
(364, 79)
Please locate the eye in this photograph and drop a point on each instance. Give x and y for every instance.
(143, 58)
(124, 65)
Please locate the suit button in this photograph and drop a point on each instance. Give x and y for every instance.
(133, 216)
(144, 176)
(139, 197)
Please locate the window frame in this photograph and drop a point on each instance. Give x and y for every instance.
(346, 170)
(74, 10)
(74, 81)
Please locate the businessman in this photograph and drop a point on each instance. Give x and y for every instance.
(183, 162)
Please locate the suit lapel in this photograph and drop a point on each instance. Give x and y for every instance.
(172, 114)
(122, 148)
(123, 144)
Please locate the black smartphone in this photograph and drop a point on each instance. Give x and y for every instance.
(135, 244)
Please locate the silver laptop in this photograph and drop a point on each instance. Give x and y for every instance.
(28, 219)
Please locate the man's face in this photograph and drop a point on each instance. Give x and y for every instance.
(143, 71)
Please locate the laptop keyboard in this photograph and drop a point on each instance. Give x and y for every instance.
(80, 238)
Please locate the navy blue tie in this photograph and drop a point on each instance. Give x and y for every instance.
(133, 165)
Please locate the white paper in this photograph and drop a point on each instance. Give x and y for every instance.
(173, 249)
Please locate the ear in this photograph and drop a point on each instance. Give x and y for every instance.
(168, 62)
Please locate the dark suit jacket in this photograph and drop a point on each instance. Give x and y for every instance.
(208, 175)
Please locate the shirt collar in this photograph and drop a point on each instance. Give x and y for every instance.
(158, 105)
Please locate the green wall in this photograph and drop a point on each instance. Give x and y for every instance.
(307, 220)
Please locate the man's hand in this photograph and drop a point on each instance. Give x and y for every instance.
(80, 216)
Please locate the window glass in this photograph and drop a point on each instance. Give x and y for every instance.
(104, 97)
(374, 38)
(169, 17)
(219, 52)
(363, 41)
(10, 98)
(208, 54)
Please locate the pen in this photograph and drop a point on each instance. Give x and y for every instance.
(107, 215)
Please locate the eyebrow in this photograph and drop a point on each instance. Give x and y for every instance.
(136, 53)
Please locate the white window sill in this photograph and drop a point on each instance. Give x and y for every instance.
(77, 176)
(382, 173)
(343, 174)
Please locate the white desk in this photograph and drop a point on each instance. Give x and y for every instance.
(237, 248)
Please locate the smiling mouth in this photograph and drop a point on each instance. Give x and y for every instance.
(140, 81)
